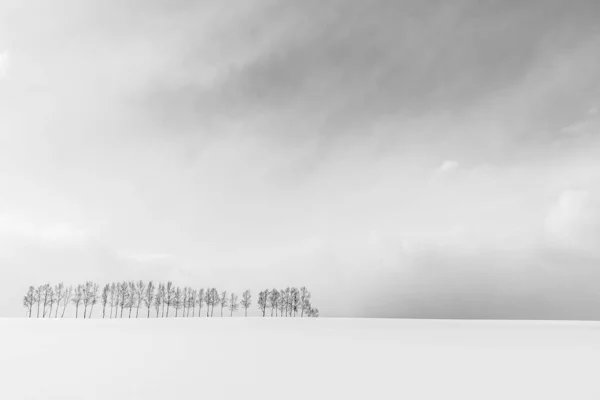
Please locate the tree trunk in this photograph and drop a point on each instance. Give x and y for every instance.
(245, 312)
(137, 311)
(121, 312)
(77, 311)
(148, 312)
(38, 309)
(91, 311)
(64, 309)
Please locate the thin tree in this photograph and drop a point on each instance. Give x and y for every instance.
(93, 297)
(214, 295)
(77, 298)
(149, 297)
(105, 298)
(59, 293)
(192, 302)
(304, 300)
(123, 296)
(207, 300)
(66, 299)
(200, 301)
(46, 298)
(281, 302)
(51, 300)
(39, 294)
(169, 292)
(140, 290)
(223, 301)
(112, 295)
(177, 300)
(87, 296)
(233, 303)
(132, 297)
(246, 301)
(294, 300)
(184, 301)
(273, 299)
(28, 300)
(159, 299)
(262, 301)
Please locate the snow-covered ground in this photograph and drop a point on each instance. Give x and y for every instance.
(241, 358)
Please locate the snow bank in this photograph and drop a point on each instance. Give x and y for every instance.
(238, 358)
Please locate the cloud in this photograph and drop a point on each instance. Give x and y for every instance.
(448, 166)
(574, 221)
(4, 64)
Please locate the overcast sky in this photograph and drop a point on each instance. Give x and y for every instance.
(399, 158)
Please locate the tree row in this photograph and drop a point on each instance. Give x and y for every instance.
(124, 300)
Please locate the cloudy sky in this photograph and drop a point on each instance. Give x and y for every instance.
(400, 158)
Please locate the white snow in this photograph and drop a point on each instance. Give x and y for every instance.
(256, 358)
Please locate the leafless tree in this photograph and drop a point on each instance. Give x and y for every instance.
(59, 292)
(123, 296)
(140, 289)
(66, 299)
(313, 312)
(177, 300)
(304, 300)
(192, 302)
(246, 301)
(294, 300)
(281, 302)
(47, 294)
(184, 300)
(131, 296)
(112, 297)
(51, 300)
(77, 298)
(39, 294)
(262, 301)
(273, 298)
(170, 291)
(223, 301)
(233, 303)
(214, 300)
(105, 298)
(159, 299)
(200, 301)
(87, 296)
(28, 300)
(207, 301)
(93, 298)
(149, 297)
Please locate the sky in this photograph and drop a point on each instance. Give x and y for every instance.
(399, 158)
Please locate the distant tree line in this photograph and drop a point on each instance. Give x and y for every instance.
(124, 300)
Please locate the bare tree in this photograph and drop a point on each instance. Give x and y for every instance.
(184, 300)
(246, 301)
(39, 294)
(281, 302)
(288, 302)
(177, 300)
(87, 296)
(207, 300)
(77, 298)
(28, 300)
(66, 299)
(262, 301)
(113, 297)
(294, 300)
(313, 312)
(223, 301)
(46, 298)
(273, 299)
(149, 297)
(140, 289)
(233, 303)
(105, 298)
(59, 292)
(93, 297)
(304, 300)
(200, 301)
(159, 299)
(131, 296)
(192, 302)
(123, 296)
(170, 291)
(51, 300)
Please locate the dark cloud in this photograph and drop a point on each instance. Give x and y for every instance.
(343, 63)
